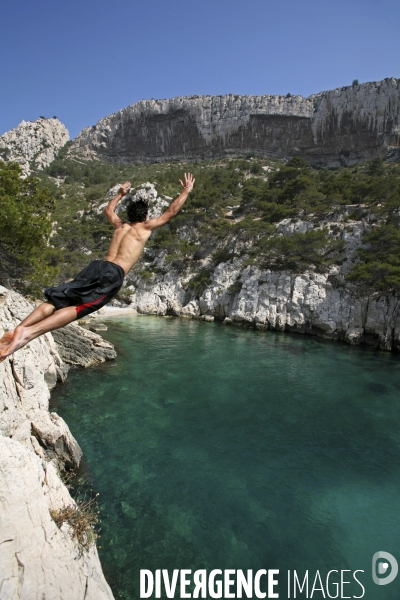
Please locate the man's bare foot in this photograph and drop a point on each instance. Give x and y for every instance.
(6, 339)
(20, 338)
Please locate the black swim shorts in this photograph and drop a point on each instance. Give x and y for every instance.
(91, 289)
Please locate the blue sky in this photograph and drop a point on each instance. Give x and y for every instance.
(81, 60)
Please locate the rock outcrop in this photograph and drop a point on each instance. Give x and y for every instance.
(342, 126)
(82, 348)
(33, 144)
(322, 305)
(37, 559)
(326, 305)
(146, 191)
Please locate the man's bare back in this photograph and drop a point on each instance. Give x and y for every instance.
(127, 244)
(96, 284)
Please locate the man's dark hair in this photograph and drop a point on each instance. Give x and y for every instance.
(137, 211)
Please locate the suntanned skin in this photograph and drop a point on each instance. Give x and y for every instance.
(126, 246)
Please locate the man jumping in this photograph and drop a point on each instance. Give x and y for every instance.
(100, 281)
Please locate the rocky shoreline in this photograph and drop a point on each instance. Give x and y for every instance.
(238, 293)
(37, 559)
(324, 305)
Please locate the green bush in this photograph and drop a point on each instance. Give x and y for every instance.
(256, 169)
(302, 251)
(250, 227)
(200, 282)
(25, 225)
(235, 287)
(380, 260)
(222, 255)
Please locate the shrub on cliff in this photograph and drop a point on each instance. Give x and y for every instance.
(25, 226)
(199, 282)
(301, 251)
(256, 169)
(380, 259)
(83, 520)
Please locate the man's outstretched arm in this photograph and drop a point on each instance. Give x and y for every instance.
(175, 206)
(110, 208)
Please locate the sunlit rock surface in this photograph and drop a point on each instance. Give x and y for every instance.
(342, 126)
(33, 144)
(38, 560)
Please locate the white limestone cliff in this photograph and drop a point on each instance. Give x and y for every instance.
(37, 559)
(343, 126)
(312, 303)
(33, 144)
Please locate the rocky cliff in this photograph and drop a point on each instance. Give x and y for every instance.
(342, 126)
(322, 304)
(37, 559)
(33, 144)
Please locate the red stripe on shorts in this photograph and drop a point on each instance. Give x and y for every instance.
(80, 308)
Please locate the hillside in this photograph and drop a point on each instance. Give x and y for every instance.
(259, 242)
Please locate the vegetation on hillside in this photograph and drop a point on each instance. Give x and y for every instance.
(380, 258)
(233, 212)
(25, 227)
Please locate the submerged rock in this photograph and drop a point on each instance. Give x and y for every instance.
(98, 327)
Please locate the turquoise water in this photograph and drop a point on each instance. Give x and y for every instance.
(219, 448)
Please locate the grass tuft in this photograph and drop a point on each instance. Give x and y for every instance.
(83, 519)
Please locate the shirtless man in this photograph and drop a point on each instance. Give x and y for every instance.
(97, 283)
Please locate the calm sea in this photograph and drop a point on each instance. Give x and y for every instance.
(220, 448)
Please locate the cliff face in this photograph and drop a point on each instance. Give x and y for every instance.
(312, 303)
(342, 126)
(33, 144)
(38, 560)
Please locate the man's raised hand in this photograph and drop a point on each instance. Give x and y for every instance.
(189, 182)
(124, 189)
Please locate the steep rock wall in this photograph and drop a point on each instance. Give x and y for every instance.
(38, 560)
(342, 126)
(312, 303)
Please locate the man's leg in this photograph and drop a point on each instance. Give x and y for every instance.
(41, 312)
(25, 334)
